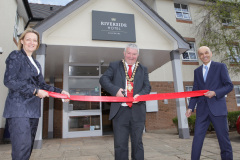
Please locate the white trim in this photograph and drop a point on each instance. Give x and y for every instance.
(191, 51)
(182, 12)
(237, 94)
(16, 27)
(68, 112)
(236, 50)
(188, 98)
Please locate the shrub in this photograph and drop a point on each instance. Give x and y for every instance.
(232, 119)
(191, 122)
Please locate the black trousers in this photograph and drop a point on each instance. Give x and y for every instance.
(22, 134)
(123, 127)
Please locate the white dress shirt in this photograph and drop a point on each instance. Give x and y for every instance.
(32, 61)
(208, 65)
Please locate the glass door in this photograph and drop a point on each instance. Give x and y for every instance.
(82, 119)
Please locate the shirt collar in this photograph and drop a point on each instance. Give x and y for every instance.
(127, 65)
(208, 65)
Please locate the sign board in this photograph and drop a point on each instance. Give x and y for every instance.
(111, 26)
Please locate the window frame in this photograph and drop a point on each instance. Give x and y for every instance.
(237, 96)
(16, 27)
(191, 51)
(228, 20)
(236, 50)
(187, 88)
(182, 12)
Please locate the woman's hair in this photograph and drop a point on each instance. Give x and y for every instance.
(28, 30)
(133, 46)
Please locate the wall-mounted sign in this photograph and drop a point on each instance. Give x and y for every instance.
(112, 26)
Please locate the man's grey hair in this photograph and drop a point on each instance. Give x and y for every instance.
(133, 46)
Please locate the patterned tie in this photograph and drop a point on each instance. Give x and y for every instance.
(205, 75)
(129, 85)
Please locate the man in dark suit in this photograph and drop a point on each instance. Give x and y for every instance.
(128, 118)
(212, 76)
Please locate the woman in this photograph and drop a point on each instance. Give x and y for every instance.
(24, 79)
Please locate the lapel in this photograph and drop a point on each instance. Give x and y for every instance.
(137, 76)
(211, 72)
(122, 72)
(33, 70)
(200, 72)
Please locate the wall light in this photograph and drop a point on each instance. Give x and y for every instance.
(1, 50)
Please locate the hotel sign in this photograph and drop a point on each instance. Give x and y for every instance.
(110, 26)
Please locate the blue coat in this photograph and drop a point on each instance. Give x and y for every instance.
(217, 80)
(21, 79)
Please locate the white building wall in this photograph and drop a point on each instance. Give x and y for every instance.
(74, 29)
(8, 9)
(165, 8)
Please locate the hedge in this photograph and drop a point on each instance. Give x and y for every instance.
(232, 119)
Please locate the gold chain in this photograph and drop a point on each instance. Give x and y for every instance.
(134, 71)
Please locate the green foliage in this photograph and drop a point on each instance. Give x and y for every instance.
(219, 29)
(232, 119)
(191, 123)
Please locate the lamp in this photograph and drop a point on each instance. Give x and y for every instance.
(101, 62)
(1, 50)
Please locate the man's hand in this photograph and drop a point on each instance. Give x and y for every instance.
(119, 93)
(210, 94)
(135, 98)
(188, 113)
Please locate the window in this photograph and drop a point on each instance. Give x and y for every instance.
(235, 55)
(226, 18)
(182, 11)
(190, 55)
(15, 33)
(188, 88)
(237, 94)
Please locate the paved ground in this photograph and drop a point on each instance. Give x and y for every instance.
(158, 145)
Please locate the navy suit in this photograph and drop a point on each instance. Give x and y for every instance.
(22, 108)
(211, 109)
(127, 121)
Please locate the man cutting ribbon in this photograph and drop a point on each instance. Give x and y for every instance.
(128, 118)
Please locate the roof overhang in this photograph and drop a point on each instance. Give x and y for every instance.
(22, 11)
(57, 55)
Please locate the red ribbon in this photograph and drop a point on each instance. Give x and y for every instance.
(148, 97)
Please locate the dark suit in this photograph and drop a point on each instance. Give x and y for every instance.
(22, 108)
(127, 121)
(211, 109)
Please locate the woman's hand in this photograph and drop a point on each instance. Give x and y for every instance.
(42, 94)
(65, 92)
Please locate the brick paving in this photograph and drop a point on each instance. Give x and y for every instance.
(158, 145)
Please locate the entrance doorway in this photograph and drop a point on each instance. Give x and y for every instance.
(85, 119)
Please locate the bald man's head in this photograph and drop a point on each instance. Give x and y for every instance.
(205, 54)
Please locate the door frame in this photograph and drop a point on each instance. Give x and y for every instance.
(68, 113)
